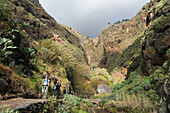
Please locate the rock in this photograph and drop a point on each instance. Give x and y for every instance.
(31, 107)
(4, 87)
(103, 89)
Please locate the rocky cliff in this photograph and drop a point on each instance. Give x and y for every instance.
(117, 37)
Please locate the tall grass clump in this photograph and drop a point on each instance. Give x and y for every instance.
(132, 102)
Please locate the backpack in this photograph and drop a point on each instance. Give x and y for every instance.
(54, 86)
(45, 83)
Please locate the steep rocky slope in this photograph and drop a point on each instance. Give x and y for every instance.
(117, 37)
(85, 42)
(146, 62)
(32, 42)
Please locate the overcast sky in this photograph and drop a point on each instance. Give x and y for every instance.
(89, 17)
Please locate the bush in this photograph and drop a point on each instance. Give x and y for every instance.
(51, 106)
(117, 87)
(153, 95)
(138, 89)
(70, 103)
(146, 84)
(95, 82)
(79, 78)
(103, 101)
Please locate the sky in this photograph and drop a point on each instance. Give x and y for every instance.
(90, 17)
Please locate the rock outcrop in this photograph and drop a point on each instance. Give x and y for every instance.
(103, 89)
(4, 87)
(24, 105)
(157, 38)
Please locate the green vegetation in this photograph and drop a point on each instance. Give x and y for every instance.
(12, 51)
(128, 103)
(2, 110)
(74, 104)
(118, 22)
(70, 104)
(129, 58)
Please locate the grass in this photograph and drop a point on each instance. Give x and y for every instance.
(3, 110)
(131, 101)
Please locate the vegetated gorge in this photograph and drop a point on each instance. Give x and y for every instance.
(125, 69)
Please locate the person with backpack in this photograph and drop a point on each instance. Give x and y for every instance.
(45, 84)
(58, 85)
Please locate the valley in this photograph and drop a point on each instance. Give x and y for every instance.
(129, 59)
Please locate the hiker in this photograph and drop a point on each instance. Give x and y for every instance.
(58, 85)
(64, 90)
(45, 83)
(54, 89)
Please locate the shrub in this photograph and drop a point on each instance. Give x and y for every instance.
(153, 95)
(146, 84)
(69, 104)
(2, 110)
(95, 82)
(138, 89)
(51, 106)
(104, 101)
(79, 78)
(117, 87)
(135, 103)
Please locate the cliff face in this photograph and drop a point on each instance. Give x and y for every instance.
(155, 52)
(116, 38)
(156, 41)
(119, 46)
(146, 62)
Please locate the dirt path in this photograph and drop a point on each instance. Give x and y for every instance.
(27, 104)
(17, 103)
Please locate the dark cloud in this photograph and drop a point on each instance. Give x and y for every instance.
(89, 17)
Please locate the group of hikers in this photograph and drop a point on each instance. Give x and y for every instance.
(56, 88)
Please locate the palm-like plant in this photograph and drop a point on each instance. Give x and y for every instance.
(53, 52)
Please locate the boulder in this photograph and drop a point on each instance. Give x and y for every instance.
(103, 89)
(3, 86)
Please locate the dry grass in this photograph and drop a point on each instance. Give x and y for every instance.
(131, 101)
(5, 70)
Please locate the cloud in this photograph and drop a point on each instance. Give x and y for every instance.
(89, 17)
